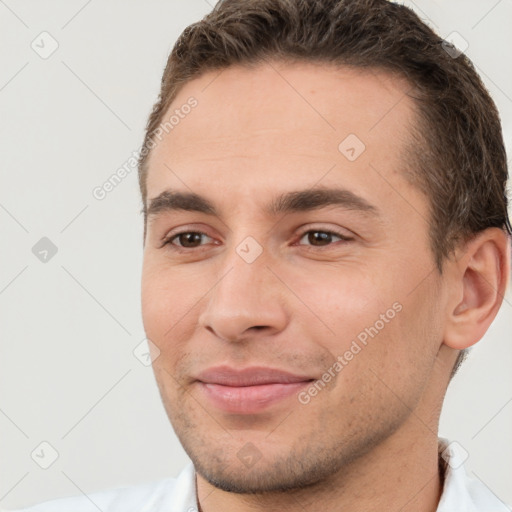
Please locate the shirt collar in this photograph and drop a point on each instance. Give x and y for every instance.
(460, 492)
(455, 495)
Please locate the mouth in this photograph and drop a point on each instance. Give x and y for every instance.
(250, 390)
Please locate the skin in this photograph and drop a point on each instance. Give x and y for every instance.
(368, 441)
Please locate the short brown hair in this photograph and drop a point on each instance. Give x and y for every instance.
(456, 155)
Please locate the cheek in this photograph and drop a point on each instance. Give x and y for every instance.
(163, 293)
(403, 353)
(169, 302)
(371, 319)
(160, 305)
(153, 301)
(339, 304)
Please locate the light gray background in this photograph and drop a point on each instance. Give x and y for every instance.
(68, 327)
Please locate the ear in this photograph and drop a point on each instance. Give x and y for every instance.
(479, 276)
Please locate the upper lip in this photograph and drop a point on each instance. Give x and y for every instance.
(252, 376)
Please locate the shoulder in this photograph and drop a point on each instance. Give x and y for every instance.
(149, 496)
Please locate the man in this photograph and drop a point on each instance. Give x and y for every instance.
(326, 233)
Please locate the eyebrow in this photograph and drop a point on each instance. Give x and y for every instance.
(288, 202)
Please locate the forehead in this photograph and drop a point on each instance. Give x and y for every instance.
(264, 125)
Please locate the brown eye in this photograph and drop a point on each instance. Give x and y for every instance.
(319, 238)
(186, 239)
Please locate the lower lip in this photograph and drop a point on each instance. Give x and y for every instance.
(249, 399)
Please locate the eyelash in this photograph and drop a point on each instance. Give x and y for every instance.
(173, 247)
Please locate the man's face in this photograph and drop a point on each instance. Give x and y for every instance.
(344, 297)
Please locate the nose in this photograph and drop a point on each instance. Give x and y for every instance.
(247, 301)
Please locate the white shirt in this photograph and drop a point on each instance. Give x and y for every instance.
(460, 494)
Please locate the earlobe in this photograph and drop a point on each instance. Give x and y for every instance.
(482, 274)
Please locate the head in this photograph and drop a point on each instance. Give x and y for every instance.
(345, 119)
